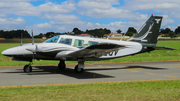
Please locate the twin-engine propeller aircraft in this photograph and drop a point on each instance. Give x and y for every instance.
(81, 49)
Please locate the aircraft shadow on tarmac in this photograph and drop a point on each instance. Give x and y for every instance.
(43, 70)
(128, 67)
(87, 74)
(143, 67)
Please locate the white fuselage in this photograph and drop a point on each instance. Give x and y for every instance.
(60, 48)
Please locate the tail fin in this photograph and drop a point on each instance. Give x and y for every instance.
(149, 32)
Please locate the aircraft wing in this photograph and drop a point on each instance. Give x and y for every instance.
(96, 50)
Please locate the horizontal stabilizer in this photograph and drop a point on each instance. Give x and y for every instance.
(164, 48)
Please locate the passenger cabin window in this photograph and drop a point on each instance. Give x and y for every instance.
(92, 43)
(52, 40)
(65, 41)
(78, 43)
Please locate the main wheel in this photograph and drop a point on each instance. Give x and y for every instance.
(27, 69)
(62, 65)
(78, 70)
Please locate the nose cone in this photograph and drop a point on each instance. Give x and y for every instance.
(9, 52)
(16, 51)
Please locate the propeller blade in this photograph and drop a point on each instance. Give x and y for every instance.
(33, 49)
(32, 38)
(21, 38)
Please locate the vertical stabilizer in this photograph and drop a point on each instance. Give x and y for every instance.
(149, 32)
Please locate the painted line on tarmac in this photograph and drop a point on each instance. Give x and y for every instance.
(44, 85)
(169, 76)
(109, 67)
(170, 67)
(90, 64)
(146, 72)
(150, 73)
(99, 65)
(134, 71)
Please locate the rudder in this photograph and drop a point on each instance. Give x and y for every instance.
(149, 32)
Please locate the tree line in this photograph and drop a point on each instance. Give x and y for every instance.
(98, 32)
(14, 34)
(101, 32)
(93, 32)
(169, 33)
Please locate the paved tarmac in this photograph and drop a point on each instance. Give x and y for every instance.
(14, 76)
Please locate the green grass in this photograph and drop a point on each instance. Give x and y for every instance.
(157, 55)
(25, 40)
(125, 91)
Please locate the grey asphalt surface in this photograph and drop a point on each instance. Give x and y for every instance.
(14, 76)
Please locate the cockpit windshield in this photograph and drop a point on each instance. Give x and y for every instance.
(52, 40)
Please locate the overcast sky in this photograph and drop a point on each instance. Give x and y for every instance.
(63, 15)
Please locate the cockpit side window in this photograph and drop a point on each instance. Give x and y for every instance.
(78, 43)
(92, 43)
(52, 40)
(66, 41)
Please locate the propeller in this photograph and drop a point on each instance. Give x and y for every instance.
(32, 37)
(21, 38)
(33, 47)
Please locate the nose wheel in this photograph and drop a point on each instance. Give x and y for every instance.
(27, 68)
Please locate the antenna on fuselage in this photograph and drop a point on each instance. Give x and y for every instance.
(21, 38)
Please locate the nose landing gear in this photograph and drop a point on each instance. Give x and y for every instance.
(27, 68)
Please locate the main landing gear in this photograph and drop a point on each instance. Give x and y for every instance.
(78, 68)
(27, 68)
(62, 65)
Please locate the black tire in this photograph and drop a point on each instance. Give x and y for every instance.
(62, 65)
(27, 69)
(78, 70)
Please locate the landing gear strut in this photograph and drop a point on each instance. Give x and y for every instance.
(80, 67)
(27, 68)
(62, 65)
